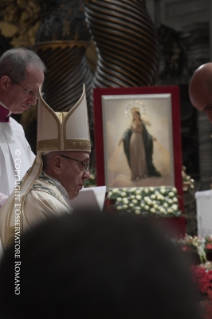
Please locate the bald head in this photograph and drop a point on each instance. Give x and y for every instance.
(200, 89)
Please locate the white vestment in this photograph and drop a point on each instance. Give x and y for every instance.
(44, 200)
(16, 156)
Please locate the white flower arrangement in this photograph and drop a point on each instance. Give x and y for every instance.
(161, 201)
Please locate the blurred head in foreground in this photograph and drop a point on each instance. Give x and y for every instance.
(96, 266)
(200, 89)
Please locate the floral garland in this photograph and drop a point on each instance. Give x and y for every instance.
(161, 201)
(202, 276)
(201, 245)
(188, 182)
(202, 273)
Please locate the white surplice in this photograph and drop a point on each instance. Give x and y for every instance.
(15, 153)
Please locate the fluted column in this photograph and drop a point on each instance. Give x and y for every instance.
(61, 42)
(67, 70)
(126, 42)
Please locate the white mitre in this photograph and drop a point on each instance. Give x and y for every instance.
(63, 131)
(58, 131)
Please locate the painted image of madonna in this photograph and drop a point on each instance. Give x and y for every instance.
(138, 148)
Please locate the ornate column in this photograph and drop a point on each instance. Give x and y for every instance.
(126, 42)
(61, 42)
(67, 70)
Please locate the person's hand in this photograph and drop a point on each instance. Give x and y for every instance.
(154, 139)
(148, 123)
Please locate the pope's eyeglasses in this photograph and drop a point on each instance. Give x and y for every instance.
(85, 165)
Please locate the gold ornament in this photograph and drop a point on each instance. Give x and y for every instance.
(136, 106)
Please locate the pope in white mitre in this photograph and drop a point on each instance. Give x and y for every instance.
(57, 175)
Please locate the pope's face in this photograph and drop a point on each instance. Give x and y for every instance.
(73, 176)
(17, 99)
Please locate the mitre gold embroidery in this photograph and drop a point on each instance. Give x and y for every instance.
(47, 145)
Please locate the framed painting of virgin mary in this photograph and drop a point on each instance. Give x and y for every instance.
(137, 137)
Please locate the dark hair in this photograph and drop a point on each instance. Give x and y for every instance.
(98, 266)
(15, 61)
(139, 116)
